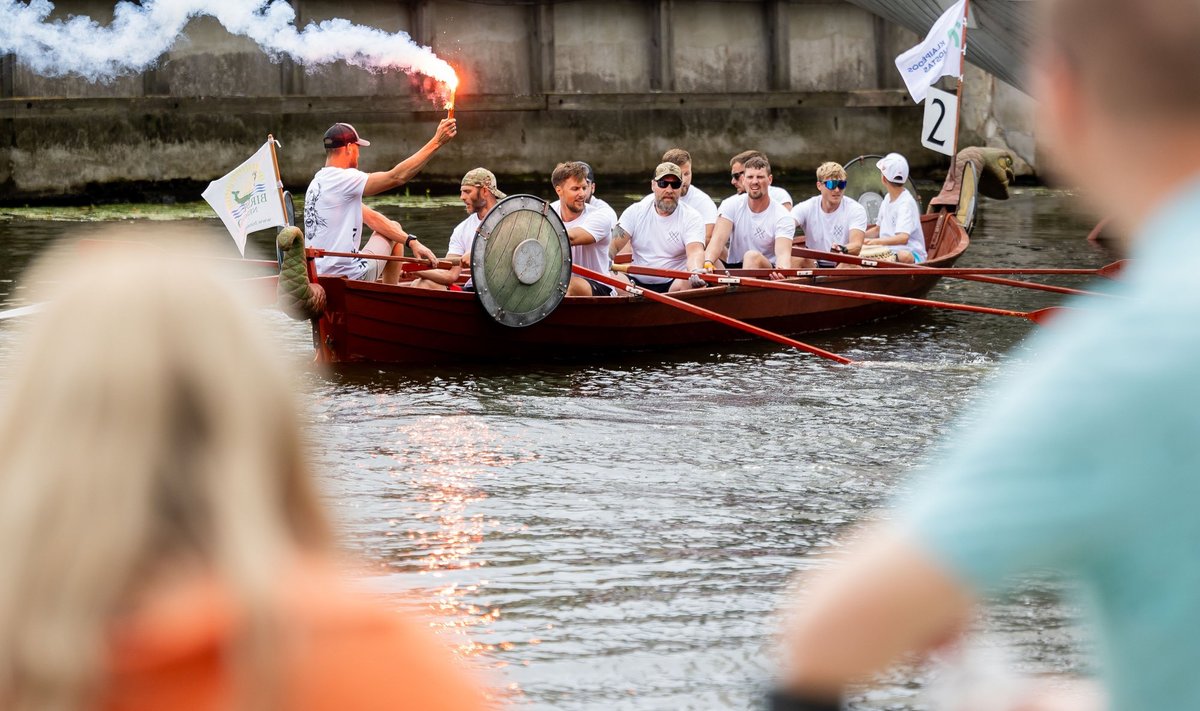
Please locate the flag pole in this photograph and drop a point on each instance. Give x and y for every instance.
(279, 178)
(962, 69)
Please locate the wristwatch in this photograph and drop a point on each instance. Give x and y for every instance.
(410, 238)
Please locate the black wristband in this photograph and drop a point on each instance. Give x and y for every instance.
(780, 700)
(409, 239)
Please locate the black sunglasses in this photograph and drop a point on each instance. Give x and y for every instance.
(669, 183)
(835, 184)
(737, 175)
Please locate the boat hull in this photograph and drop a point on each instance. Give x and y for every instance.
(370, 322)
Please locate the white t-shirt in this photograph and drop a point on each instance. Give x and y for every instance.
(778, 194)
(699, 201)
(594, 221)
(755, 230)
(333, 219)
(464, 235)
(903, 215)
(661, 242)
(607, 210)
(823, 229)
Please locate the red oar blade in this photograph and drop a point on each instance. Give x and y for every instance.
(1043, 316)
(1110, 271)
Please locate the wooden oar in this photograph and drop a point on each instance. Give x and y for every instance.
(700, 311)
(1039, 316)
(408, 264)
(981, 275)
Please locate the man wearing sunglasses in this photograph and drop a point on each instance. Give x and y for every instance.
(831, 222)
(691, 195)
(756, 230)
(664, 233)
(737, 168)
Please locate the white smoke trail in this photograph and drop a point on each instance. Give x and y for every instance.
(139, 35)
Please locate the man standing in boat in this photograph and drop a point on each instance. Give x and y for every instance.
(737, 168)
(831, 222)
(664, 233)
(479, 194)
(588, 228)
(897, 235)
(691, 195)
(334, 213)
(756, 231)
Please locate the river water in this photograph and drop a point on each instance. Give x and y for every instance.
(621, 534)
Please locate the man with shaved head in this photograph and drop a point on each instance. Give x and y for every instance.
(1084, 460)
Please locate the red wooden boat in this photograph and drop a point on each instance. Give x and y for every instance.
(372, 322)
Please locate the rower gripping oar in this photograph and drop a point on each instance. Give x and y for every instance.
(408, 264)
(1040, 316)
(700, 311)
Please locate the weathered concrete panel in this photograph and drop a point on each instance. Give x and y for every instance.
(209, 61)
(602, 48)
(832, 47)
(488, 45)
(720, 46)
(343, 80)
(26, 83)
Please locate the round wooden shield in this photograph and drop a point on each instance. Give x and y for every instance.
(521, 261)
(862, 184)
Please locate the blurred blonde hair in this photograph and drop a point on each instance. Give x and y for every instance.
(830, 171)
(147, 427)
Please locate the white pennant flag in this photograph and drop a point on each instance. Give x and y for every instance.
(940, 55)
(248, 198)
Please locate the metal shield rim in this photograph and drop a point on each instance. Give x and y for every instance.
(511, 205)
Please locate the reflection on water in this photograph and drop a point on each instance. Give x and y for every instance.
(620, 534)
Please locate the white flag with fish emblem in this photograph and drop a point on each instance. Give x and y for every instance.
(940, 55)
(247, 199)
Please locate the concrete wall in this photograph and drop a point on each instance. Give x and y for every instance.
(615, 83)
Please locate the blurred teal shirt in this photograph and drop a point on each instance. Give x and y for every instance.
(1086, 461)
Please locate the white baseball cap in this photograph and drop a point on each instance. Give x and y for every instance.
(894, 167)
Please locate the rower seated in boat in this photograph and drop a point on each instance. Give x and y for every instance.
(588, 228)
(830, 221)
(479, 194)
(691, 195)
(737, 169)
(897, 235)
(334, 212)
(757, 231)
(596, 202)
(664, 233)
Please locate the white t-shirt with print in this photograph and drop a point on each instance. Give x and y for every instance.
(463, 236)
(823, 229)
(903, 215)
(661, 242)
(755, 230)
(699, 201)
(333, 219)
(594, 221)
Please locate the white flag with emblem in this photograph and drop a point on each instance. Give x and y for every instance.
(940, 55)
(248, 198)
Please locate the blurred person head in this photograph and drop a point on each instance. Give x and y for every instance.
(666, 184)
(148, 433)
(756, 177)
(479, 192)
(831, 183)
(1106, 114)
(683, 159)
(570, 183)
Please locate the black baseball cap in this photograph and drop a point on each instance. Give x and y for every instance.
(343, 134)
